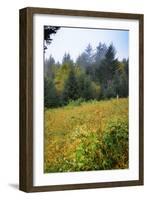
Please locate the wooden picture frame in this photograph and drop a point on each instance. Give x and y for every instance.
(26, 98)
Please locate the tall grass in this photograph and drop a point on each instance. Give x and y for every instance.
(86, 136)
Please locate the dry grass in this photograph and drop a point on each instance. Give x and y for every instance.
(70, 129)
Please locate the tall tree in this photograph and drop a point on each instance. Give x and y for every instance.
(71, 90)
(50, 96)
(87, 92)
(106, 72)
(82, 60)
(108, 66)
(48, 67)
(100, 53)
(121, 79)
(86, 59)
(111, 52)
(89, 54)
(67, 59)
(61, 76)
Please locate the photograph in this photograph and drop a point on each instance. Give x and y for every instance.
(86, 99)
(81, 99)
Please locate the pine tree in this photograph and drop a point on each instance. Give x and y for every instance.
(50, 96)
(87, 92)
(48, 67)
(67, 59)
(101, 50)
(86, 59)
(89, 53)
(71, 91)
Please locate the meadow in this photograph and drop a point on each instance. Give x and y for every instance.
(84, 136)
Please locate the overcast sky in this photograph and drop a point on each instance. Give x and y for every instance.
(75, 40)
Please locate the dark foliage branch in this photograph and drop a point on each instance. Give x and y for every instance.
(48, 31)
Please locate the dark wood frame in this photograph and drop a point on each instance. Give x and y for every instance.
(26, 99)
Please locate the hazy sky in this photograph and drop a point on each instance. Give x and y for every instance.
(75, 40)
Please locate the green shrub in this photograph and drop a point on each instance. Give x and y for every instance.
(77, 102)
(115, 145)
(86, 153)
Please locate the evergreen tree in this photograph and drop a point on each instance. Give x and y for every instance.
(50, 96)
(106, 73)
(121, 79)
(108, 66)
(82, 61)
(86, 59)
(71, 90)
(67, 59)
(110, 54)
(101, 50)
(81, 84)
(87, 92)
(48, 67)
(86, 87)
(89, 54)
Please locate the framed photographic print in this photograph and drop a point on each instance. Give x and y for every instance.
(81, 99)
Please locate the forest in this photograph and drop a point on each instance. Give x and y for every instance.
(96, 74)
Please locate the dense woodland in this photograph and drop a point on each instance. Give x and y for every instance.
(96, 74)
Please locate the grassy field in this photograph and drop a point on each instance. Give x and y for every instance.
(90, 136)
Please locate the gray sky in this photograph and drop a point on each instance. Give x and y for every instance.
(75, 40)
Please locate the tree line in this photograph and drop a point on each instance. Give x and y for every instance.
(96, 74)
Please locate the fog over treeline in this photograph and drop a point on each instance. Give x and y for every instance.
(96, 74)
